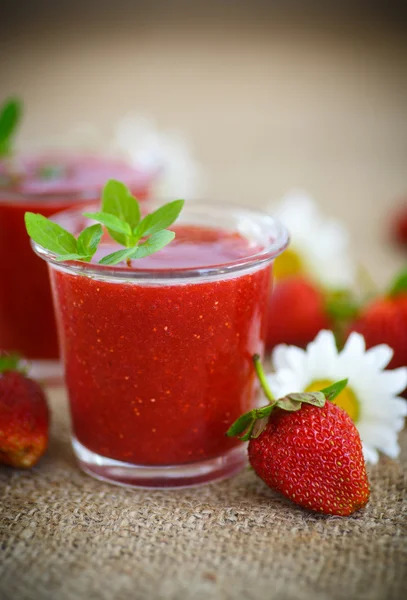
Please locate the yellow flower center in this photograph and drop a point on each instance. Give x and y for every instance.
(346, 399)
(287, 264)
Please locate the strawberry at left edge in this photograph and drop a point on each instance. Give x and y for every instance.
(24, 416)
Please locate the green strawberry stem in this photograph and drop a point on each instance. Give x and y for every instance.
(251, 424)
(262, 377)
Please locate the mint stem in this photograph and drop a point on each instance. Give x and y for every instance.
(262, 377)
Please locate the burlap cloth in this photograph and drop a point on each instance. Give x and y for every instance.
(66, 536)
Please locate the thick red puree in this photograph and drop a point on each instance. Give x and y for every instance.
(27, 322)
(157, 373)
(26, 313)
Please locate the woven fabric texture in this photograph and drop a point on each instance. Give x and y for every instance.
(67, 536)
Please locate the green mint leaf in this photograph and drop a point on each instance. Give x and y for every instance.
(121, 218)
(117, 257)
(160, 219)
(399, 284)
(74, 256)
(112, 223)
(10, 115)
(154, 243)
(117, 200)
(314, 398)
(49, 235)
(88, 240)
(332, 391)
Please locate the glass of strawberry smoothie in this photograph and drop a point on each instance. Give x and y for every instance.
(158, 355)
(43, 184)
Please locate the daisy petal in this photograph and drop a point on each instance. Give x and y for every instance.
(355, 345)
(395, 380)
(294, 358)
(371, 455)
(379, 414)
(380, 436)
(278, 357)
(379, 356)
(400, 406)
(283, 382)
(321, 243)
(321, 355)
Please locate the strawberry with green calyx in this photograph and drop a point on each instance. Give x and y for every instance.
(24, 415)
(384, 321)
(307, 448)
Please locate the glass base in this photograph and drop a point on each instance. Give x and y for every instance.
(49, 372)
(138, 476)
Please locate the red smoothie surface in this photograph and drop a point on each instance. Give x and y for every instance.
(157, 372)
(44, 185)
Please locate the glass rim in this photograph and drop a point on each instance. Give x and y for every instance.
(49, 198)
(277, 234)
(50, 192)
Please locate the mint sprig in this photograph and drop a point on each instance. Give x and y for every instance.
(118, 201)
(121, 216)
(55, 238)
(10, 115)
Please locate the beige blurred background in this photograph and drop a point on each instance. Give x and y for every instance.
(271, 95)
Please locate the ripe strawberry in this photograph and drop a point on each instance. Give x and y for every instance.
(308, 449)
(296, 313)
(24, 416)
(313, 457)
(384, 321)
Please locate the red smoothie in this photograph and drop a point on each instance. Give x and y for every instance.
(158, 354)
(157, 373)
(44, 185)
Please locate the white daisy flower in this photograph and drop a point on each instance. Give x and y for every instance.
(319, 246)
(370, 398)
(165, 155)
